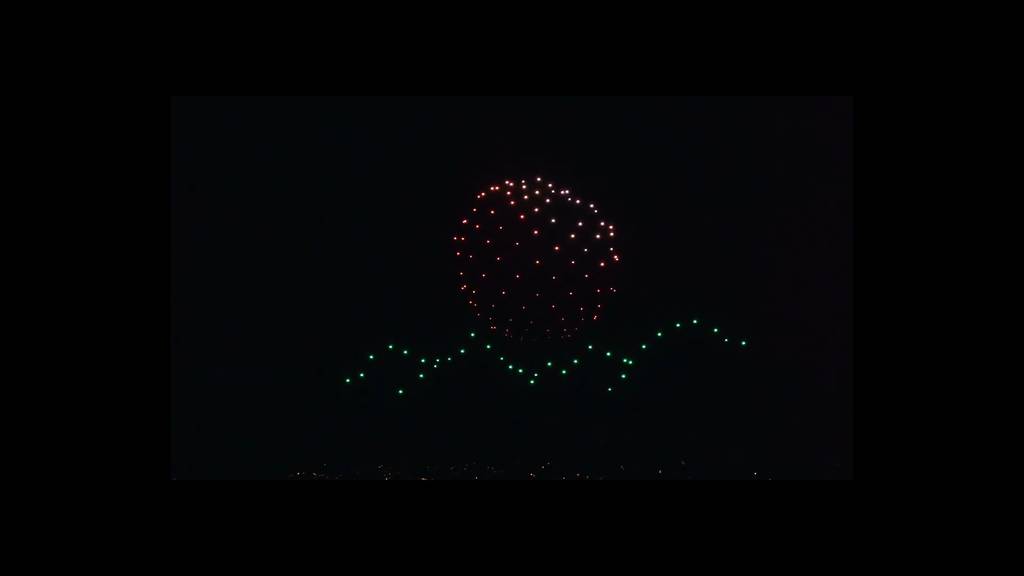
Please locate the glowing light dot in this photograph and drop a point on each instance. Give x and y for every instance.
(679, 324)
(726, 339)
(609, 388)
(643, 346)
(589, 347)
(531, 381)
(601, 264)
(472, 334)
(462, 350)
(552, 220)
(608, 354)
(488, 346)
(405, 352)
(510, 366)
(623, 375)
(371, 356)
(743, 342)
(580, 223)
(391, 346)
(423, 360)
(694, 320)
(362, 375)
(464, 221)
(658, 334)
(597, 236)
(715, 330)
(520, 370)
(575, 361)
(422, 375)
(348, 380)
(400, 391)
(549, 364)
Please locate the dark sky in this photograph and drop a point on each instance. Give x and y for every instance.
(307, 232)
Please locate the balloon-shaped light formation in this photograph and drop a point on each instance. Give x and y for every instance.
(534, 275)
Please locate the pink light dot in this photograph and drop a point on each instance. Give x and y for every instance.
(464, 221)
(522, 216)
(580, 223)
(556, 248)
(536, 209)
(601, 265)
(536, 232)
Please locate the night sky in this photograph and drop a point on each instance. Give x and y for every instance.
(308, 233)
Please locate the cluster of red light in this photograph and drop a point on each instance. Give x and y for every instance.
(535, 261)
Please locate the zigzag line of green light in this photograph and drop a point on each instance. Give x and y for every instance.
(531, 375)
